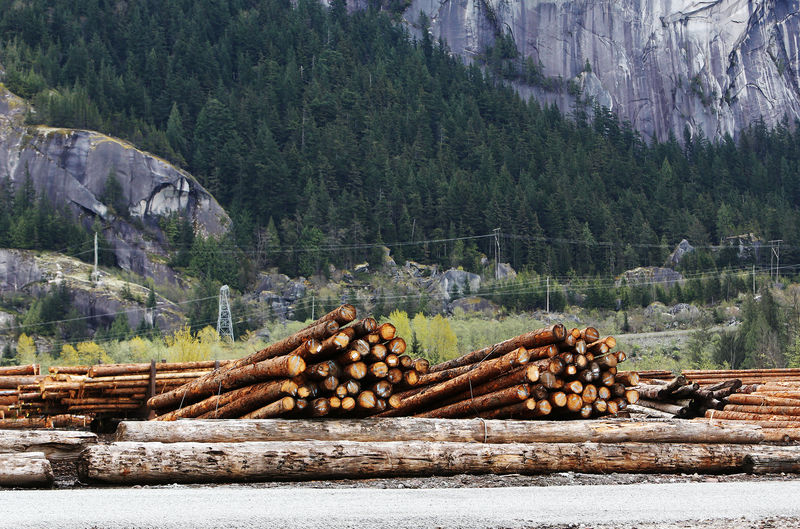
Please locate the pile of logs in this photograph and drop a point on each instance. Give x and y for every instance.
(336, 366)
(680, 398)
(119, 390)
(547, 372)
(746, 376)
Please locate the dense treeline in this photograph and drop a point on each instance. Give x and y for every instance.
(317, 130)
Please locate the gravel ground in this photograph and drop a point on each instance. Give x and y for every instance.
(760, 504)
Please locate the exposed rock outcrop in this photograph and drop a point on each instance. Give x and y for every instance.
(72, 167)
(647, 275)
(679, 253)
(711, 66)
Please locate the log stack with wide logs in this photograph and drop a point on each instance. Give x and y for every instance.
(339, 367)
(336, 366)
(549, 372)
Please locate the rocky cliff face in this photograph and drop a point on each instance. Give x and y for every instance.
(711, 66)
(72, 166)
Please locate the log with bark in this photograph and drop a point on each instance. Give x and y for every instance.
(154, 463)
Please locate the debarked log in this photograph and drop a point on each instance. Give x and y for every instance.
(456, 430)
(25, 469)
(131, 462)
(57, 445)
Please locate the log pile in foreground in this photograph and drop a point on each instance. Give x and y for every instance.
(204, 451)
(25, 469)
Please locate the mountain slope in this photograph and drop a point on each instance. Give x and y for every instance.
(711, 66)
(72, 169)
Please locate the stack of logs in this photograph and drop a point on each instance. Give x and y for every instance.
(329, 368)
(117, 390)
(681, 398)
(338, 368)
(547, 372)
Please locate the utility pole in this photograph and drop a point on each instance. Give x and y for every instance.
(548, 294)
(754, 280)
(496, 232)
(313, 307)
(224, 319)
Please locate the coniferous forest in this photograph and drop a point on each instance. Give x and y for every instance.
(319, 130)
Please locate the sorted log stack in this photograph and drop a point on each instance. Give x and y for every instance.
(746, 376)
(334, 367)
(118, 390)
(337, 368)
(544, 373)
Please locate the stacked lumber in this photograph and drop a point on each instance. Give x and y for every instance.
(774, 406)
(259, 450)
(548, 372)
(680, 398)
(111, 389)
(747, 376)
(657, 374)
(336, 366)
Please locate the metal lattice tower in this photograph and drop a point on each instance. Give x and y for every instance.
(224, 320)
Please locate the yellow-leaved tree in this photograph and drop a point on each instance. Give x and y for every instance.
(441, 342)
(183, 346)
(400, 320)
(26, 349)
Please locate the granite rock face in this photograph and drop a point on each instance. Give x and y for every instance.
(666, 65)
(72, 167)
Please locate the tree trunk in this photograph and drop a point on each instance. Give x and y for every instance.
(457, 430)
(279, 367)
(793, 411)
(131, 463)
(275, 409)
(538, 338)
(56, 445)
(260, 395)
(342, 315)
(198, 388)
(27, 469)
(55, 421)
(481, 373)
(761, 400)
(12, 381)
(487, 401)
(32, 369)
(106, 370)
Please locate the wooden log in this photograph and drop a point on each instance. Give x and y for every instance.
(329, 384)
(488, 401)
(153, 463)
(676, 409)
(525, 374)
(538, 338)
(386, 332)
(275, 409)
(342, 315)
(481, 373)
(12, 381)
(56, 445)
(54, 421)
(243, 401)
(793, 411)
(199, 388)
(653, 392)
(558, 399)
(319, 407)
(378, 352)
(394, 375)
(30, 369)
(743, 416)
(397, 346)
(366, 400)
(392, 360)
(25, 469)
(348, 404)
(574, 402)
(628, 378)
(421, 366)
(363, 327)
(105, 370)
(411, 378)
(762, 400)
(651, 412)
(278, 367)
(529, 408)
(382, 388)
(763, 424)
(334, 401)
(604, 392)
(376, 371)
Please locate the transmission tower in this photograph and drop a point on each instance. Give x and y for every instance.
(224, 320)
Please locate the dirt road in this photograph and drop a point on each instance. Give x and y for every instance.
(711, 505)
